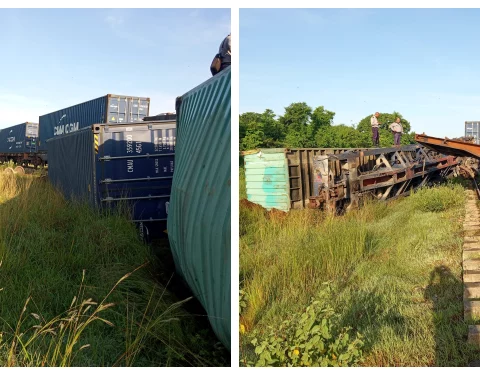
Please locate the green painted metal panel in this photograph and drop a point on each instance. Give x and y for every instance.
(259, 178)
(254, 164)
(263, 172)
(267, 180)
(199, 223)
(261, 185)
(269, 202)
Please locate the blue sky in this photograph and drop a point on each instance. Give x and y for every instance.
(54, 58)
(423, 63)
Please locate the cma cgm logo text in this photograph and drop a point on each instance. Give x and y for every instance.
(11, 139)
(65, 129)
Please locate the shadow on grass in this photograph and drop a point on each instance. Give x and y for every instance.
(370, 313)
(445, 292)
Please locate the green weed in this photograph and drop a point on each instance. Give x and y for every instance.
(395, 268)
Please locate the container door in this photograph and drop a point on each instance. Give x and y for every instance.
(117, 110)
(31, 137)
(138, 109)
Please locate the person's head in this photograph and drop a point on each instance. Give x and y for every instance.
(377, 114)
(397, 120)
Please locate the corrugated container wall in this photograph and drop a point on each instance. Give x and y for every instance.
(283, 178)
(22, 138)
(107, 164)
(267, 179)
(472, 129)
(199, 218)
(111, 109)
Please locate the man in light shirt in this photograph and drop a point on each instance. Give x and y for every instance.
(375, 124)
(397, 130)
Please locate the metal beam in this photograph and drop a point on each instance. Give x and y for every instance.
(449, 146)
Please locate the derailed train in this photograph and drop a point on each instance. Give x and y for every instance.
(338, 179)
(110, 150)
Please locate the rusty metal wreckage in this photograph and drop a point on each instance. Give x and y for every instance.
(468, 154)
(342, 181)
(338, 180)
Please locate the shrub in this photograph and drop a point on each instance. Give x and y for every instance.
(312, 338)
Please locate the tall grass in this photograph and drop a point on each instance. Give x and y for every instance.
(243, 187)
(395, 268)
(292, 254)
(51, 251)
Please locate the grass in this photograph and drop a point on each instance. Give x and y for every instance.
(395, 271)
(78, 288)
(243, 187)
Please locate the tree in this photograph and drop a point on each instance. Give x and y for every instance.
(260, 130)
(339, 136)
(252, 140)
(296, 123)
(251, 130)
(385, 134)
(274, 133)
(322, 118)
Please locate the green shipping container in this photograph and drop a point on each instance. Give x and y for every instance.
(200, 206)
(267, 179)
(283, 178)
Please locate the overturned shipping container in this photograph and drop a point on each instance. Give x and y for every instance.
(199, 218)
(107, 164)
(282, 178)
(111, 109)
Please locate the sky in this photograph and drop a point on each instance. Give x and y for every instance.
(423, 63)
(56, 58)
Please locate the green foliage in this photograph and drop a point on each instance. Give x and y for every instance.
(439, 199)
(252, 140)
(297, 124)
(296, 117)
(313, 338)
(50, 248)
(242, 183)
(251, 130)
(260, 130)
(382, 276)
(322, 118)
(340, 136)
(300, 126)
(385, 134)
(243, 298)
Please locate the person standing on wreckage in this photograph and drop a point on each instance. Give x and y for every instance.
(375, 125)
(397, 131)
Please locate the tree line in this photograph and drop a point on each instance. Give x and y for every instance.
(302, 126)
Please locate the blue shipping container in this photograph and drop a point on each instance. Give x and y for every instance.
(111, 109)
(106, 164)
(22, 138)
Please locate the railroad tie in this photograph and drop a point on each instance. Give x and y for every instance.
(471, 268)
